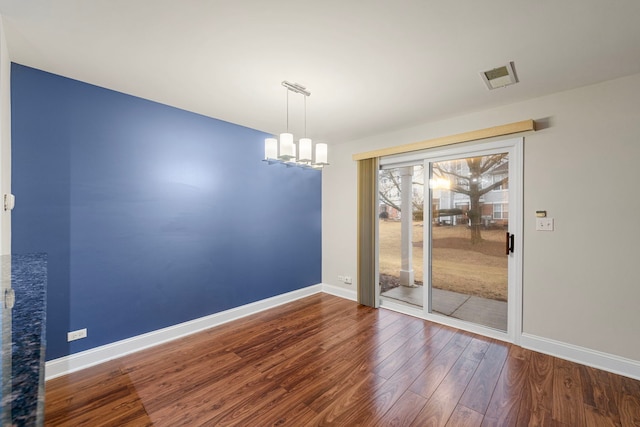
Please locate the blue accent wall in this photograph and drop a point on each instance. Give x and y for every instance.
(150, 215)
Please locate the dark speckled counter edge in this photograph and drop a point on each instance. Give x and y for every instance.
(23, 353)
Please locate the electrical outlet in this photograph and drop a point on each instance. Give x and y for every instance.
(341, 279)
(76, 335)
(347, 280)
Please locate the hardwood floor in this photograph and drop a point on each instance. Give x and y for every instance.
(324, 360)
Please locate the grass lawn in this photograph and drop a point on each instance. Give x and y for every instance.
(458, 265)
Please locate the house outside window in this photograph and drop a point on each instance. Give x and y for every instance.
(500, 211)
(498, 178)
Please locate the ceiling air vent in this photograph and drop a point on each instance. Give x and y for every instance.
(499, 77)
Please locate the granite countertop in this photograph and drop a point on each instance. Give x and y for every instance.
(23, 356)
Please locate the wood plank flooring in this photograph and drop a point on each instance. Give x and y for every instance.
(324, 360)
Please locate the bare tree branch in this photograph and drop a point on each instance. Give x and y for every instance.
(389, 202)
(394, 185)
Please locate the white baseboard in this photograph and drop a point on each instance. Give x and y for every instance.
(338, 291)
(585, 356)
(75, 362)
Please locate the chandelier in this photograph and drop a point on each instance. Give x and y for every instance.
(285, 150)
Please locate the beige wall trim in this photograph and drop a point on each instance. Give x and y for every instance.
(508, 129)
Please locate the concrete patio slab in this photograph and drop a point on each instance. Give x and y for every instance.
(406, 294)
(447, 302)
(482, 311)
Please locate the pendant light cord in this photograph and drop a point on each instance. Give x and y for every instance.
(287, 110)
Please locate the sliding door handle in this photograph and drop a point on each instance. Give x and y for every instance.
(510, 243)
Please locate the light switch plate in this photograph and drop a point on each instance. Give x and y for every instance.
(544, 224)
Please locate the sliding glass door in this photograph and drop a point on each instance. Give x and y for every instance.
(469, 222)
(459, 209)
(401, 220)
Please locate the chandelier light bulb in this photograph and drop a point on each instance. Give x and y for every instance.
(305, 152)
(321, 154)
(286, 146)
(270, 148)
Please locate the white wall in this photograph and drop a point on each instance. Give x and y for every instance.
(5, 141)
(581, 284)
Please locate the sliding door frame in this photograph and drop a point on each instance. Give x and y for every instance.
(514, 146)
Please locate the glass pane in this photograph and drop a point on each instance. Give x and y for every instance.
(470, 217)
(401, 234)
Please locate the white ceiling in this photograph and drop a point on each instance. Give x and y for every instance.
(371, 65)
